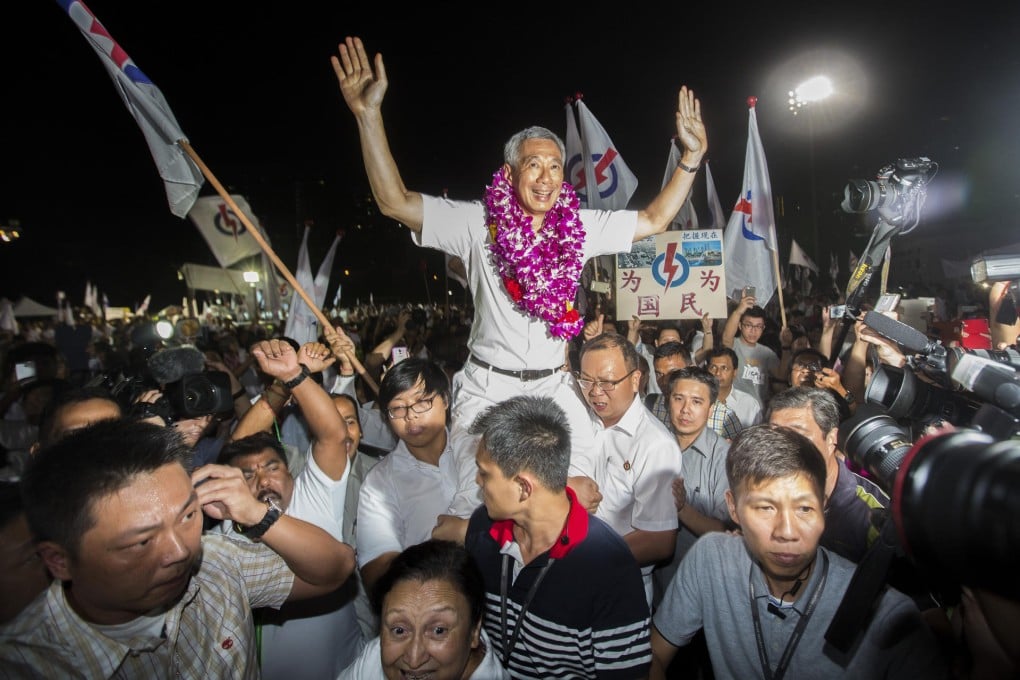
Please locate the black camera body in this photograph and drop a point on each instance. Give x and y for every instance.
(893, 186)
(199, 394)
(192, 396)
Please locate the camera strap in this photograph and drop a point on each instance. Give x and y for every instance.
(798, 632)
(869, 578)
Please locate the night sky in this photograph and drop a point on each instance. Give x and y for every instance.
(252, 88)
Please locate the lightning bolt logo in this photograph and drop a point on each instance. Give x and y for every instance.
(669, 265)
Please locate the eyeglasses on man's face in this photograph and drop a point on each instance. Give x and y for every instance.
(420, 406)
(603, 385)
(753, 326)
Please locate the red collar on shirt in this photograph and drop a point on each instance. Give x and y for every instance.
(574, 532)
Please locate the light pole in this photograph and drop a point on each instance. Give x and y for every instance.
(812, 90)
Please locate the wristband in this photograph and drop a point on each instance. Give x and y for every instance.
(680, 164)
(300, 378)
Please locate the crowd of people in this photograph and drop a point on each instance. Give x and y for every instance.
(507, 491)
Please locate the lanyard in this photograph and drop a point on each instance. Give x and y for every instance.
(791, 644)
(508, 644)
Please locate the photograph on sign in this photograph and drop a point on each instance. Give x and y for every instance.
(674, 275)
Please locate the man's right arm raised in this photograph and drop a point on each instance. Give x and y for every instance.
(363, 90)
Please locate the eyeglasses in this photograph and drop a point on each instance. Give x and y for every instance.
(420, 406)
(603, 385)
(753, 326)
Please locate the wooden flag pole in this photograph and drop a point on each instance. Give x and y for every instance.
(280, 266)
(779, 284)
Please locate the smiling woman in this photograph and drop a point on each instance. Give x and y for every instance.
(430, 603)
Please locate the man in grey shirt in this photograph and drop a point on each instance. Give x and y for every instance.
(765, 598)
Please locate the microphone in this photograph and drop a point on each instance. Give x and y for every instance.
(908, 337)
(775, 611)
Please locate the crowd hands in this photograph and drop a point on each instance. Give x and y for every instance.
(367, 494)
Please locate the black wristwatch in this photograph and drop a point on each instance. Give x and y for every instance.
(256, 531)
(849, 398)
(294, 382)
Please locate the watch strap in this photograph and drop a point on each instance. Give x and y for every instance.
(256, 531)
(300, 378)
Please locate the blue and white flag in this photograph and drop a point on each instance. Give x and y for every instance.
(608, 183)
(750, 239)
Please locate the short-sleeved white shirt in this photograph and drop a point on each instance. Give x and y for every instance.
(502, 334)
(636, 462)
(400, 500)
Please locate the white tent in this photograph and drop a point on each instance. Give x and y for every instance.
(27, 307)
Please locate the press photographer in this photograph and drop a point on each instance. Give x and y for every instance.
(180, 391)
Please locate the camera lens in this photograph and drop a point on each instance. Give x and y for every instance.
(875, 441)
(956, 504)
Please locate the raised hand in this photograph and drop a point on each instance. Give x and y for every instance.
(362, 89)
(689, 127)
(316, 356)
(276, 358)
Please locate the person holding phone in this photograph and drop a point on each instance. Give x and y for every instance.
(758, 365)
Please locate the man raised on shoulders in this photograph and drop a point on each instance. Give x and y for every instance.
(523, 250)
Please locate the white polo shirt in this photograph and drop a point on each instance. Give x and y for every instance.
(400, 500)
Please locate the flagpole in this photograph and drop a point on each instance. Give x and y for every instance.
(779, 285)
(253, 230)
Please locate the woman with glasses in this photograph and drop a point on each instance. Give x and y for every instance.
(403, 495)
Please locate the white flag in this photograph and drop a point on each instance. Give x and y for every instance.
(800, 258)
(750, 240)
(223, 230)
(714, 206)
(455, 270)
(686, 217)
(302, 323)
(613, 180)
(144, 307)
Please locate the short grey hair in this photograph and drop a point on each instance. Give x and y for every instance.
(512, 148)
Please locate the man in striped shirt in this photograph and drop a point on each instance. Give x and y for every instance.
(564, 594)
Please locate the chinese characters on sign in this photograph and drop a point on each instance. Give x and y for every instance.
(674, 275)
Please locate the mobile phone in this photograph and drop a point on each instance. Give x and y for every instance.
(837, 311)
(24, 370)
(399, 354)
(887, 302)
(749, 291)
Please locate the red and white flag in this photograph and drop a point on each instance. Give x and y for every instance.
(223, 230)
(750, 239)
(607, 183)
(181, 176)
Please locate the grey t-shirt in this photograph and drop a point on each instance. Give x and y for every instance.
(711, 591)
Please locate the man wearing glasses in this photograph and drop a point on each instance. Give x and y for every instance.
(758, 365)
(404, 494)
(636, 456)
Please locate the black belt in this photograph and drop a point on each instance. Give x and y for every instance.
(524, 376)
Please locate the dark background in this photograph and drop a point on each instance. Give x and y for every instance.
(253, 89)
